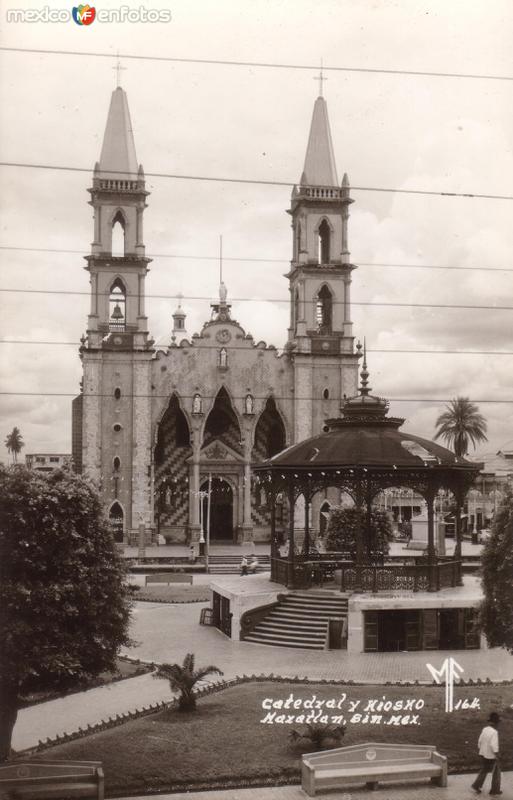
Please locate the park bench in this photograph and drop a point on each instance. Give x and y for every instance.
(168, 577)
(38, 780)
(371, 763)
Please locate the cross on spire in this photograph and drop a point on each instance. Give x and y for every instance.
(321, 80)
(118, 69)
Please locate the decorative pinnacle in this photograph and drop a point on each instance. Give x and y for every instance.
(364, 374)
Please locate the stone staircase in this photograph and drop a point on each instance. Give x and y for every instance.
(230, 564)
(300, 620)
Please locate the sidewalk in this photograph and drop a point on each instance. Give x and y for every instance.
(68, 714)
(458, 788)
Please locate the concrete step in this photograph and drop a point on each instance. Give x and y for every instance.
(281, 643)
(275, 624)
(271, 636)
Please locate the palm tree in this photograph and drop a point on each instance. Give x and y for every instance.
(461, 424)
(183, 679)
(14, 442)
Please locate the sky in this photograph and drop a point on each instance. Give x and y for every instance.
(440, 134)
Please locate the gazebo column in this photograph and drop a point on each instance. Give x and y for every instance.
(292, 557)
(359, 537)
(431, 552)
(306, 542)
(457, 535)
(274, 544)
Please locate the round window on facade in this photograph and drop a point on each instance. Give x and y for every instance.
(117, 427)
(117, 393)
(326, 394)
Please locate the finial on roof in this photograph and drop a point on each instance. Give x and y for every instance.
(223, 291)
(345, 180)
(321, 79)
(364, 374)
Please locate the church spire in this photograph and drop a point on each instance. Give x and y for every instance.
(118, 160)
(319, 169)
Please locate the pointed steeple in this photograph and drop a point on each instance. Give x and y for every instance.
(118, 160)
(320, 169)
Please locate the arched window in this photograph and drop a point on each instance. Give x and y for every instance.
(117, 393)
(324, 242)
(117, 306)
(298, 240)
(323, 310)
(326, 394)
(118, 235)
(116, 464)
(116, 521)
(296, 308)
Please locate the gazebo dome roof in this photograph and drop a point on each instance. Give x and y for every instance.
(366, 437)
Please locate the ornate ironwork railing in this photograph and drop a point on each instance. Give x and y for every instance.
(412, 577)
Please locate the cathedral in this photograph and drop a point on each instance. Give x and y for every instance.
(170, 435)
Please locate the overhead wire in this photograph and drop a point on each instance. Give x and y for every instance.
(259, 64)
(188, 256)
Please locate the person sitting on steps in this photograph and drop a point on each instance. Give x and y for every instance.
(253, 565)
(244, 566)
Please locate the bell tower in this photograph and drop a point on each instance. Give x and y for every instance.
(116, 351)
(320, 335)
(117, 264)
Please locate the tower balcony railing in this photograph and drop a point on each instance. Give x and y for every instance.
(117, 185)
(117, 326)
(322, 192)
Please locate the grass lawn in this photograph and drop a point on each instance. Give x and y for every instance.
(173, 593)
(224, 739)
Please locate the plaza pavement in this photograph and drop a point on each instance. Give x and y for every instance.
(457, 789)
(166, 632)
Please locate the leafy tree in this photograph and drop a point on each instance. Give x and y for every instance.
(342, 530)
(64, 608)
(497, 579)
(461, 424)
(14, 442)
(183, 679)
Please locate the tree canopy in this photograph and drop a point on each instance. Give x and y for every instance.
(64, 607)
(461, 424)
(14, 442)
(497, 580)
(343, 525)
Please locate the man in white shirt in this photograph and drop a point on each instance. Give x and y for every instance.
(488, 745)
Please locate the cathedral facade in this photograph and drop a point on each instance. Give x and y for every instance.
(170, 435)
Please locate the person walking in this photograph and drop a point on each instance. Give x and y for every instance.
(488, 745)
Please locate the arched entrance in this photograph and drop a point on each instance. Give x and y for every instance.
(221, 510)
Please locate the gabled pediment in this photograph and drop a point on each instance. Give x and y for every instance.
(220, 452)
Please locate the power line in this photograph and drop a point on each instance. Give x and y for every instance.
(263, 64)
(262, 260)
(233, 349)
(241, 397)
(255, 181)
(181, 296)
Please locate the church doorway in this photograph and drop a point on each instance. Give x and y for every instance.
(221, 510)
(116, 521)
